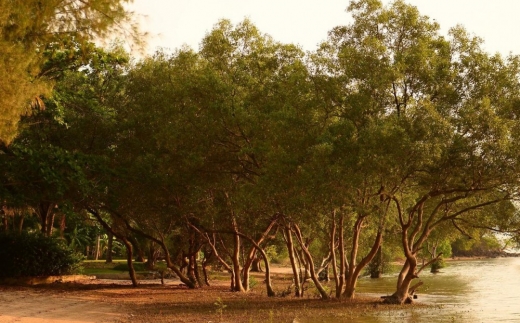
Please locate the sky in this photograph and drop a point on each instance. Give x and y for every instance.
(174, 23)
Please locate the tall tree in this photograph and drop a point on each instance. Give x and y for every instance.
(445, 139)
(28, 27)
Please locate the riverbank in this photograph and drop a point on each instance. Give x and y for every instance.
(97, 301)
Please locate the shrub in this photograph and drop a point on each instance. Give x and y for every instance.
(25, 254)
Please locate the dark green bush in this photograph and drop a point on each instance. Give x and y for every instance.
(24, 254)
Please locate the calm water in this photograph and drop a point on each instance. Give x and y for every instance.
(465, 291)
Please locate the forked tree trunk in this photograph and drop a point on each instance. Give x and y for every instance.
(298, 292)
(252, 253)
(161, 243)
(44, 210)
(268, 282)
(355, 268)
(235, 259)
(308, 256)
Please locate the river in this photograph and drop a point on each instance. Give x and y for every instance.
(467, 291)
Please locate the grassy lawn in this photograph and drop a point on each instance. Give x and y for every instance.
(118, 268)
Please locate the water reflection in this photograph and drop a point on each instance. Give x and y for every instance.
(464, 292)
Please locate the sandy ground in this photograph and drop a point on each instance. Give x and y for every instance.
(87, 301)
(42, 305)
(116, 301)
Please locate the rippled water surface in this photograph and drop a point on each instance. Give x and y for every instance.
(464, 292)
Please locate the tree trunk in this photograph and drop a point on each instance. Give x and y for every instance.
(152, 257)
(355, 268)
(98, 245)
(63, 225)
(247, 267)
(207, 257)
(44, 210)
(333, 255)
(50, 224)
(298, 292)
(310, 262)
(377, 264)
(129, 259)
(20, 224)
(235, 259)
(169, 262)
(110, 243)
(256, 266)
(251, 257)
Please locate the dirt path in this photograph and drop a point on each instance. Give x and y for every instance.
(34, 305)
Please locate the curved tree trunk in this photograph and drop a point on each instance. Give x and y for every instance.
(268, 284)
(129, 261)
(308, 256)
(251, 257)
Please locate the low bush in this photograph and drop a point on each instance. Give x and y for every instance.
(25, 254)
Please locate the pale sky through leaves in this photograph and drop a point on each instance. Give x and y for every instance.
(172, 23)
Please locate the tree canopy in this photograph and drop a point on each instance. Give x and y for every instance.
(389, 133)
(30, 29)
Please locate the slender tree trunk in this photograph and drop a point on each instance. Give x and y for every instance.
(98, 245)
(63, 225)
(235, 258)
(252, 254)
(298, 292)
(161, 243)
(256, 266)
(333, 255)
(110, 243)
(308, 256)
(129, 261)
(268, 284)
(247, 267)
(376, 269)
(44, 210)
(50, 224)
(342, 260)
(207, 257)
(355, 268)
(20, 224)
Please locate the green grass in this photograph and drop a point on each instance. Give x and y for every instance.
(120, 266)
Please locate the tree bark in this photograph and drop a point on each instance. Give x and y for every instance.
(108, 258)
(308, 256)
(252, 253)
(333, 255)
(98, 244)
(44, 210)
(298, 292)
(129, 261)
(235, 259)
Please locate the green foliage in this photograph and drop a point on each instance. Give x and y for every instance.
(220, 306)
(438, 264)
(29, 254)
(484, 246)
(27, 28)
